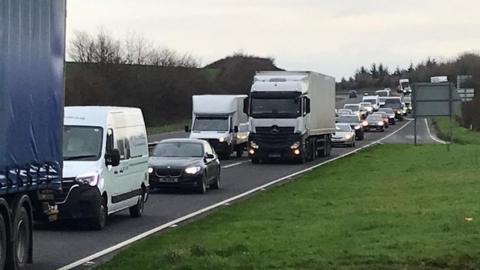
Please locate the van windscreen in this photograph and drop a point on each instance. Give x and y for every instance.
(82, 143)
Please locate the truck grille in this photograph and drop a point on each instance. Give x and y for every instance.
(166, 172)
(274, 135)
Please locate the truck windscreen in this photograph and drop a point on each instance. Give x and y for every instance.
(210, 124)
(276, 107)
(82, 143)
(405, 85)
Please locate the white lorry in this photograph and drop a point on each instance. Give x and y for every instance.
(291, 115)
(217, 119)
(404, 86)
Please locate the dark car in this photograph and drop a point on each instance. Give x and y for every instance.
(390, 113)
(188, 163)
(352, 94)
(374, 122)
(386, 120)
(355, 122)
(395, 103)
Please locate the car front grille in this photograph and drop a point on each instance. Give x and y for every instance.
(168, 172)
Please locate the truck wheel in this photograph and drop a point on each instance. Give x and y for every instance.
(21, 239)
(99, 222)
(3, 242)
(137, 210)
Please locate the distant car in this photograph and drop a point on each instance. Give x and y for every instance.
(374, 122)
(385, 118)
(397, 106)
(344, 135)
(356, 109)
(352, 94)
(367, 106)
(365, 93)
(188, 163)
(344, 111)
(390, 113)
(355, 123)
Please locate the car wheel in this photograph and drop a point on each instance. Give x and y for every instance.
(99, 222)
(202, 185)
(216, 184)
(137, 210)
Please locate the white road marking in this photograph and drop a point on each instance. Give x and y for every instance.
(431, 135)
(233, 165)
(216, 205)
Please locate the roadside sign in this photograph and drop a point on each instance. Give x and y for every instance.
(466, 94)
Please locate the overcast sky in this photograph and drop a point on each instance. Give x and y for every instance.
(332, 37)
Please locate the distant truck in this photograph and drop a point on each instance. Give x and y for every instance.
(32, 57)
(218, 119)
(291, 115)
(404, 86)
(438, 79)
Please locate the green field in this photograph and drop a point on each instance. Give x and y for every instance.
(390, 207)
(461, 135)
(168, 127)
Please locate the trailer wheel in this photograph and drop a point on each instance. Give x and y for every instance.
(3, 242)
(21, 238)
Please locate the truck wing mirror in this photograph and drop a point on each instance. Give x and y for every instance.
(235, 129)
(246, 102)
(113, 158)
(187, 129)
(307, 107)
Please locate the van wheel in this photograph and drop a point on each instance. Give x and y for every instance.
(3, 242)
(21, 238)
(99, 222)
(137, 210)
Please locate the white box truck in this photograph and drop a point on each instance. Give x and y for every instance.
(404, 86)
(217, 118)
(291, 114)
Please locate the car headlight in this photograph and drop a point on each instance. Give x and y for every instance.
(380, 123)
(193, 170)
(295, 145)
(88, 179)
(253, 145)
(222, 139)
(370, 109)
(391, 116)
(364, 123)
(348, 136)
(357, 127)
(150, 170)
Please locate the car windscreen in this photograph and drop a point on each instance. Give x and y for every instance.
(347, 119)
(289, 107)
(82, 143)
(393, 103)
(178, 149)
(352, 107)
(387, 110)
(342, 128)
(210, 124)
(374, 117)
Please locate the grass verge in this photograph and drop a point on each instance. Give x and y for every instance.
(168, 128)
(390, 207)
(461, 135)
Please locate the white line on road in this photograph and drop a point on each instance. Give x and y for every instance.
(216, 205)
(431, 135)
(233, 165)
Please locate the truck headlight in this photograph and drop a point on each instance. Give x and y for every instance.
(88, 179)
(150, 170)
(410, 107)
(222, 139)
(253, 145)
(193, 170)
(295, 145)
(364, 123)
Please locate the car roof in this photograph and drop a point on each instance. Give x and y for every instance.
(183, 140)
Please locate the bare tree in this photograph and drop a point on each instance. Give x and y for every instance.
(137, 50)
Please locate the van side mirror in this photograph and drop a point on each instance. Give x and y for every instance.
(246, 102)
(235, 129)
(112, 158)
(187, 129)
(307, 105)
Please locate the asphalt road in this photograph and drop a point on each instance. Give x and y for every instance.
(58, 245)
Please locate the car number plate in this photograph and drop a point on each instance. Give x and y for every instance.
(275, 155)
(168, 179)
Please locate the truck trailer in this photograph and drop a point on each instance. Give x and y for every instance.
(291, 115)
(217, 119)
(32, 56)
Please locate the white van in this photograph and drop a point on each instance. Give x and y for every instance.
(374, 100)
(105, 154)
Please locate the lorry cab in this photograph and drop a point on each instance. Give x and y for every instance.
(105, 163)
(404, 86)
(217, 119)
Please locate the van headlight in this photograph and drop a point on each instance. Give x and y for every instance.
(357, 127)
(364, 123)
(88, 179)
(193, 170)
(380, 123)
(150, 170)
(222, 139)
(295, 145)
(348, 136)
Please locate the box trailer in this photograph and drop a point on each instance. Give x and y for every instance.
(32, 56)
(291, 115)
